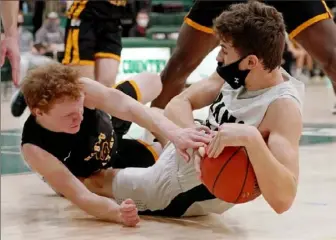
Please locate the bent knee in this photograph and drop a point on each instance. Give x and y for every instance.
(149, 85)
(132, 183)
(154, 80)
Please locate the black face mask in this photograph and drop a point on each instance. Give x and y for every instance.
(232, 74)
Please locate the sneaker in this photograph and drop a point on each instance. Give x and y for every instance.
(18, 104)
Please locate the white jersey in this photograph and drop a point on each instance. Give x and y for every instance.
(171, 187)
(249, 107)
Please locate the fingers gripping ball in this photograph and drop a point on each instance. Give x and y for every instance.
(230, 176)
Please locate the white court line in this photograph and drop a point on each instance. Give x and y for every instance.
(9, 147)
(11, 134)
(11, 152)
(319, 132)
(14, 174)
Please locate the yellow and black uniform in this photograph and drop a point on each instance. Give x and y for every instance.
(93, 31)
(298, 15)
(95, 146)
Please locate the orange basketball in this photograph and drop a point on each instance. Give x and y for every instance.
(230, 177)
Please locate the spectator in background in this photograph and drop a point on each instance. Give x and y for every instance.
(51, 34)
(139, 29)
(30, 57)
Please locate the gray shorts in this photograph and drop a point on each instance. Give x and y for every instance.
(168, 188)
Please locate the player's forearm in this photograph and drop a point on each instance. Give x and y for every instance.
(152, 120)
(180, 112)
(100, 207)
(9, 15)
(124, 107)
(277, 184)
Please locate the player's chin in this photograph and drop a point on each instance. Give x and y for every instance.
(73, 129)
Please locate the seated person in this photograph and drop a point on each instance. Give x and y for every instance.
(250, 97)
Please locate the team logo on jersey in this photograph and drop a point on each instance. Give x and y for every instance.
(102, 149)
(118, 2)
(221, 114)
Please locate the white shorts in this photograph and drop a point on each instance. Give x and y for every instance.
(168, 188)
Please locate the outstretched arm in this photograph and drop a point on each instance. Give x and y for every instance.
(65, 183)
(124, 107)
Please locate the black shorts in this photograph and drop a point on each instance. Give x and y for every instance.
(298, 15)
(131, 89)
(131, 152)
(134, 153)
(92, 32)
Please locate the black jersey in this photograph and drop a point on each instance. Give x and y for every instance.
(99, 10)
(83, 153)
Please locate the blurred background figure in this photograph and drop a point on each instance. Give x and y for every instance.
(51, 34)
(140, 27)
(31, 57)
(303, 62)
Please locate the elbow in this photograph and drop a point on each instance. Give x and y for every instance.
(285, 199)
(152, 84)
(155, 83)
(282, 200)
(283, 204)
(176, 101)
(172, 106)
(282, 207)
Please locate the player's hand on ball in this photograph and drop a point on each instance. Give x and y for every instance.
(129, 213)
(198, 155)
(230, 134)
(191, 138)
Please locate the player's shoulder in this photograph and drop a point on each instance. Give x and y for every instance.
(283, 112)
(30, 125)
(31, 132)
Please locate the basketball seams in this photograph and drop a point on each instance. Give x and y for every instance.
(220, 171)
(246, 174)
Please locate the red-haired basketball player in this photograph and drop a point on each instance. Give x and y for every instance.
(249, 93)
(67, 138)
(308, 22)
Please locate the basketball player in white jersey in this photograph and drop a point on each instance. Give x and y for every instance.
(251, 97)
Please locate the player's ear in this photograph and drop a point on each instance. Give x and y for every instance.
(252, 61)
(36, 112)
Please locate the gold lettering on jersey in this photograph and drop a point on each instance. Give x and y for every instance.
(102, 149)
(118, 2)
